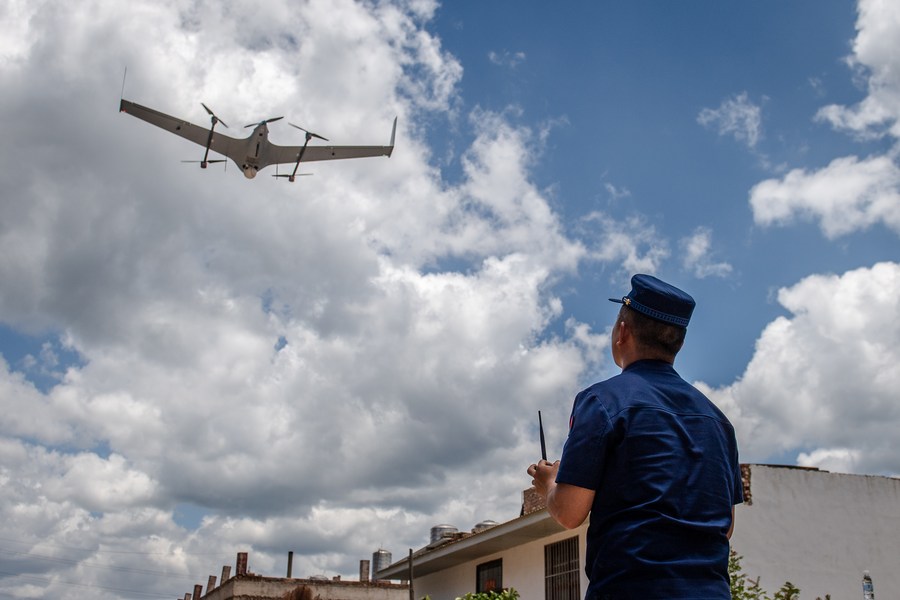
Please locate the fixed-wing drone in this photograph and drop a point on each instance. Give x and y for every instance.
(256, 152)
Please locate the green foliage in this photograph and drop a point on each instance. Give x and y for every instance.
(509, 594)
(788, 592)
(743, 588)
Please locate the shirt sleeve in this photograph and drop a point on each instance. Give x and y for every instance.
(581, 463)
(738, 484)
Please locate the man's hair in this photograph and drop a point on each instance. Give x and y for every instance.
(656, 338)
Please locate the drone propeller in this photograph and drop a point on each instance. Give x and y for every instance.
(205, 162)
(213, 116)
(309, 134)
(262, 122)
(291, 177)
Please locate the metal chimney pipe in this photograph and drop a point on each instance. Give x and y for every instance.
(290, 563)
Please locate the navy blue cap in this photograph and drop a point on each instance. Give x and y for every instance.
(658, 300)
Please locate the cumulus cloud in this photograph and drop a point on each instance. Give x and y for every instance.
(317, 367)
(874, 58)
(822, 381)
(850, 194)
(305, 366)
(846, 196)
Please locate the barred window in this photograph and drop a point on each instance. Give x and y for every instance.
(489, 576)
(561, 569)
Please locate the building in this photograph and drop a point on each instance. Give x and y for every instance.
(819, 530)
(245, 585)
(816, 529)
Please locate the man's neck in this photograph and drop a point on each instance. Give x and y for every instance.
(630, 360)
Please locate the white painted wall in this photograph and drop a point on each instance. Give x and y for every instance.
(819, 531)
(523, 570)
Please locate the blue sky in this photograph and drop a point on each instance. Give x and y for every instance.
(192, 360)
(622, 87)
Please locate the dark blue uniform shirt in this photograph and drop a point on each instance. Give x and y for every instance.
(663, 461)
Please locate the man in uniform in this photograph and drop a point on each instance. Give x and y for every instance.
(652, 460)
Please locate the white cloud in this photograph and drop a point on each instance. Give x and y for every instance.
(633, 244)
(292, 360)
(738, 117)
(697, 255)
(846, 196)
(100, 485)
(875, 57)
(851, 193)
(318, 367)
(836, 460)
(825, 377)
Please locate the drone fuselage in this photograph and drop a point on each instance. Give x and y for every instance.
(255, 151)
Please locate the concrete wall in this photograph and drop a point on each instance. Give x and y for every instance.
(257, 587)
(819, 531)
(523, 570)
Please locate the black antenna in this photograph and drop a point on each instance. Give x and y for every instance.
(543, 445)
(125, 74)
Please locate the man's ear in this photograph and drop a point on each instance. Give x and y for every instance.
(624, 332)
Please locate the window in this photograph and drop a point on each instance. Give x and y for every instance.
(489, 576)
(561, 569)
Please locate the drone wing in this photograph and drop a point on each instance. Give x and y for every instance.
(220, 143)
(290, 154)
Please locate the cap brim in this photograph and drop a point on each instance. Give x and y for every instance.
(618, 300)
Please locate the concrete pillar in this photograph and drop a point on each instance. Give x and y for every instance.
(241, 567)
(211, 584)
(226, 573)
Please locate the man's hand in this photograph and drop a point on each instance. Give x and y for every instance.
(544, 477)
(568, 504)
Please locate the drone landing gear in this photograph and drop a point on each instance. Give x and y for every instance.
(214, 119)
(309, 135)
